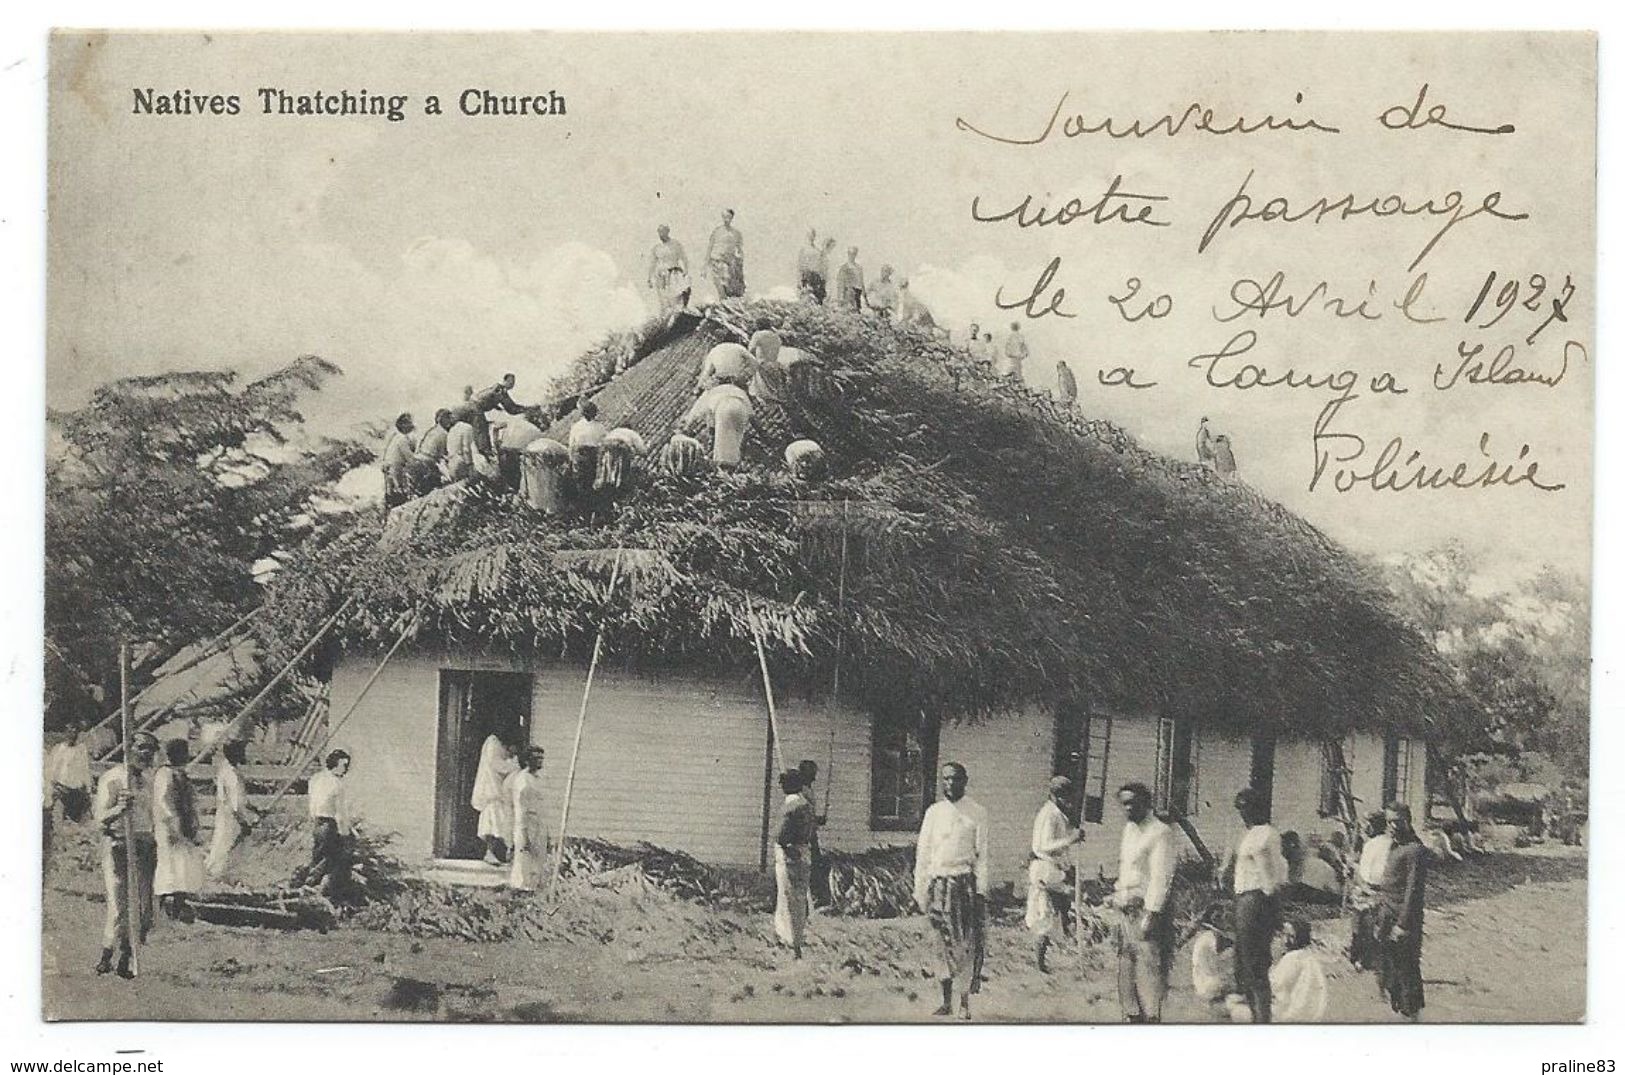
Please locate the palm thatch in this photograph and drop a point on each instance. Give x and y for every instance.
(999, 551)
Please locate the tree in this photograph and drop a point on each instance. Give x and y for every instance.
(1524, 654)
(162, 493)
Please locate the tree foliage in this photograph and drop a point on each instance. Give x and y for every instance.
(1524, 654)
(162, 493)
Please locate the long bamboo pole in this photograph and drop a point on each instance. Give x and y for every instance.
(333, 728)
(210, 649)
(840, 638)
(581, 725)
(265, 691)
(772, 710)
(132, 870)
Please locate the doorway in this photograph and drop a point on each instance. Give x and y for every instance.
(473, 705)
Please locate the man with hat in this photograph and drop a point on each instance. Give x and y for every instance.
(126, 789)
(1048, 897)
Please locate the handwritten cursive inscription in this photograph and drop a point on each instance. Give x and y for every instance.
(1396, 468)
(1241, 209)
(1196, 118)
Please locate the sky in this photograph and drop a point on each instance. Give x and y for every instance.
(445, 250)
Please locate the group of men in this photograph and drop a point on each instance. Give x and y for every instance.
(1007, 358)
(460, 442)
(669, 274)
(146, 813)
(951, 886)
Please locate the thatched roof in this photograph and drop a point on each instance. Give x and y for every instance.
(1000, 551)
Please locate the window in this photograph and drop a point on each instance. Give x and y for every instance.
(1396, 769)
(1261, 775)
(1336, 771)
(901, 765)
(1082, 747)
(1176, 767)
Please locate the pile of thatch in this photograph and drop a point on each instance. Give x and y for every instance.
(1002, 552)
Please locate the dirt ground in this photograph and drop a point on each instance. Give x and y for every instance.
(1505, 942)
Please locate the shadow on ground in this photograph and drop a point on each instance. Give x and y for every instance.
(1497, 872)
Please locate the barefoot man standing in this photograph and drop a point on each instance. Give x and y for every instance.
(950, 882)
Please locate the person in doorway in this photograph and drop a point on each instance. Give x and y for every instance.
(531, 842)
(1298, 981)
(1259, 870)
(179, 872)
(725, 258)
(491, 799)
(1144, 932)
(792, 862)
(332, 828)
(849, 283)
(234, 818)
(951, 873)
(126, 789)
(1049, 895)
(1399, 918)
(397, 461)
(819, 881)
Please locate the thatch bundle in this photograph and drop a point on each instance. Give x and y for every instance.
(997, 551)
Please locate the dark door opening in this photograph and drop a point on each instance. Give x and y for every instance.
(473, 705)
(1261, 777)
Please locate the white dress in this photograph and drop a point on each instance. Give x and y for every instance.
(180, 861)
(1298, 988)
(490, 796)
(530, 836)
(230, 801)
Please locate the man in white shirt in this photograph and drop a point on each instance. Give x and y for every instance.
(951, 883)
(1015, 353)
(399, 451)
(332, 828)
(460, 451)
(1145, 935)
(1260, 869)
(126, 790)
(1048, 897)
(67, 774)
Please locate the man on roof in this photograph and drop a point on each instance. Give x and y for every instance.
(668, 271)
(810, 269)
(430, 457)
(882, 298)
(725, 257)
(1015, 352)
(492, 398)
(849, 283)
(399, 483)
